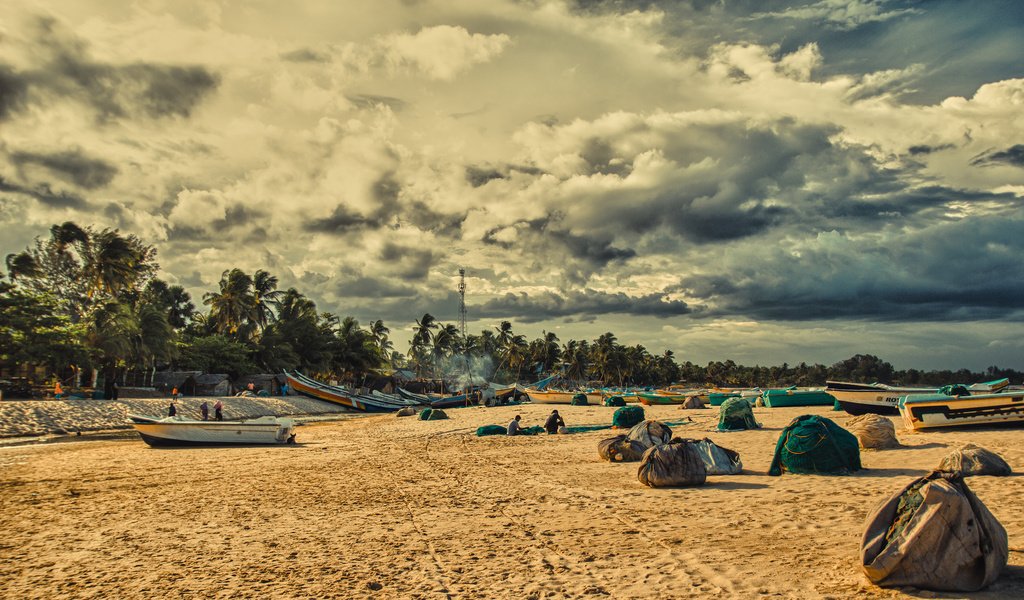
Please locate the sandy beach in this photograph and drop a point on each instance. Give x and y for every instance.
(387, 507)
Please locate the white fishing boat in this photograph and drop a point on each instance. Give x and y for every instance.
(177, 431)
(882, 399)
(925, 411)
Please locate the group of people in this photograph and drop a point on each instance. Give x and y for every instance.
(551, 425)
(204, 409)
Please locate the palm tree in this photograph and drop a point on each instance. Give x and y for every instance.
(266, 298)
(379, 332)
(232, 307)
(419, 346)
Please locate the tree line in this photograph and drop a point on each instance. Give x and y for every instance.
(89, 300)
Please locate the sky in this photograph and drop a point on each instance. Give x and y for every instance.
(761, 181)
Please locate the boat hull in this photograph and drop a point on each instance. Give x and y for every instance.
(335, 395)
(171, 432)
(780, 398)
(656, 399)
(927, 411)
(864, 398)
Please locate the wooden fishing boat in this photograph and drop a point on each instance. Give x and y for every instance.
(925, 411)
(780, 398)
(656, 398)
(338, 395)
(882, 399)
(176, 431)
(562, 396)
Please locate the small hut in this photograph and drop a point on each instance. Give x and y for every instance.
(212, 384)
(261, 382)
(185, 381)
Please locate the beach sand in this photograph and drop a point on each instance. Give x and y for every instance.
(387, 507)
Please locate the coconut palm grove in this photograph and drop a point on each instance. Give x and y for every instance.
(86, 306)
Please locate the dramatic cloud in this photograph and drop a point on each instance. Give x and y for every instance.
(790, 180)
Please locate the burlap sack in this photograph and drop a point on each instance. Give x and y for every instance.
(873, 431)
(672, 465)
(620, 449)
(941, 538)
(974, 460)
(650, 433)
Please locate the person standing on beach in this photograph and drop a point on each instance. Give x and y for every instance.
(514, 428)
(553, 423)
(57, 391)
(172, 409)
(174, 393)
(218, 411)
(113, 391)
(204, 408)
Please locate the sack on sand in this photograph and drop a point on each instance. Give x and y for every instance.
(813, 444)
(432, 414)
(974, 460)
(693, 402)
(735, 414)
(620, 449)
(408, 411)
(717, 460)
(650, 433)
(491, 430)
(672, 465)
(627, 416)
(579, 400)
(873, 431)
(615, 401)
(934, 534)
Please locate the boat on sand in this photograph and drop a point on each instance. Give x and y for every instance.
(177, 431)
(925, 411)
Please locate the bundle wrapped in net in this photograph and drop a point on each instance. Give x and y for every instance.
(615, 401)
(934, 534)
(579, 400)
(735, 414)
(974, 460)
(491, 430)
(432, 414)
(813, 444)
(627, 416)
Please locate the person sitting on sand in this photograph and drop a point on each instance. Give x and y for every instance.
(204, 408)
(172, 409)
(514, 428)
(553, 423)
(217, 411)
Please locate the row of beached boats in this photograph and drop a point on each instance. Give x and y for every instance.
(986, 403)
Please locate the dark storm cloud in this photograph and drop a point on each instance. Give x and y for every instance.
(926, 149)
(478, 175)
(549, 305)
(342, 220)
(71, 165)
(239, 215)
(956, 271)
(370, 101)
(111, 90)
(408, 263)
(307, 55)
(45, 195)
(595, 248)
(13, 90)
(1014, 156)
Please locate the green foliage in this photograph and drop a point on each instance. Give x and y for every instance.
(216, 354)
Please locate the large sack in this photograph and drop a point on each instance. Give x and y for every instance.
(974, 460)
(735, 414)
(717, 460)
(934, 534)
(650, 433)
(627, 416)
(620, 449)
(672, 465)
(873, 431)
(813, 444)
(692, 402)
(408, 411)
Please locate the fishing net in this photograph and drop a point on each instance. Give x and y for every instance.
(873, 431)
(672, 465)
(974, 460)
(934, 534)
(627, 416)
(813, 444)
(579, 400)
(650, 433)
(735, 414)
(432, 414)
(615, 401)
(717, 460)
(620, 449)
(491, 430)
(955, 390)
